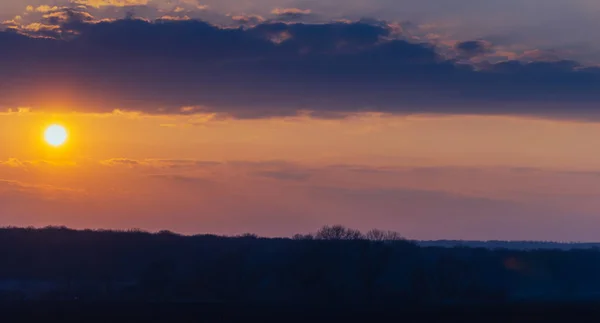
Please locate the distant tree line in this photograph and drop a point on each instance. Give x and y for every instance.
(333, 265)
(339, 232)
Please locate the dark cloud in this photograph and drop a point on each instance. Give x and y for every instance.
(275, 69)
(473, 48)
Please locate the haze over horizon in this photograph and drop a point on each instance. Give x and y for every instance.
(465, 120)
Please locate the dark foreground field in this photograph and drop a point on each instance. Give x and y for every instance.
(59, 275)
(211, 312)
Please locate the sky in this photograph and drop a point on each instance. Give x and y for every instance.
(437, 119)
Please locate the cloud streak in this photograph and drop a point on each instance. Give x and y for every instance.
(280, 198)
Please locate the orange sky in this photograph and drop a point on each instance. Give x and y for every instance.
(490, 132)
(426, 177)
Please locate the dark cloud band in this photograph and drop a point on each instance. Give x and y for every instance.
(274, 69)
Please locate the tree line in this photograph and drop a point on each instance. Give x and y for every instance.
(332, 265)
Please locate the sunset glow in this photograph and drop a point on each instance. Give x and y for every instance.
(436, 120)
(330, 158)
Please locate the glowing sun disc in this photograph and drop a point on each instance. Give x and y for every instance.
(55, 135)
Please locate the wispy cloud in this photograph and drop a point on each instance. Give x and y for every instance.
(196, 196)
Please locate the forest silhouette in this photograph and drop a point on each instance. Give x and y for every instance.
(334, 265)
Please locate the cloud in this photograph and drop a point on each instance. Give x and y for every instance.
(290, 14)
(45, 190)
(182, 179)
(537, 55)
(248, 19)
(473, 48)
(186, 163)
(176, 18)
(282, 197)
(67, 15)
(272, 69)
(181, 164)
(111, 3)
(195, 4)
(294, 11)
(43, 8)
(13, 162)
(18, 163)
(120, 162)
(285, 176)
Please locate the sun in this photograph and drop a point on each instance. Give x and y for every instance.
(55, 135)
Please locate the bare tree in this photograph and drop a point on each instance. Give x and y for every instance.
(380, 235)
(375, 235)
(338, 232)
(248, 236)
